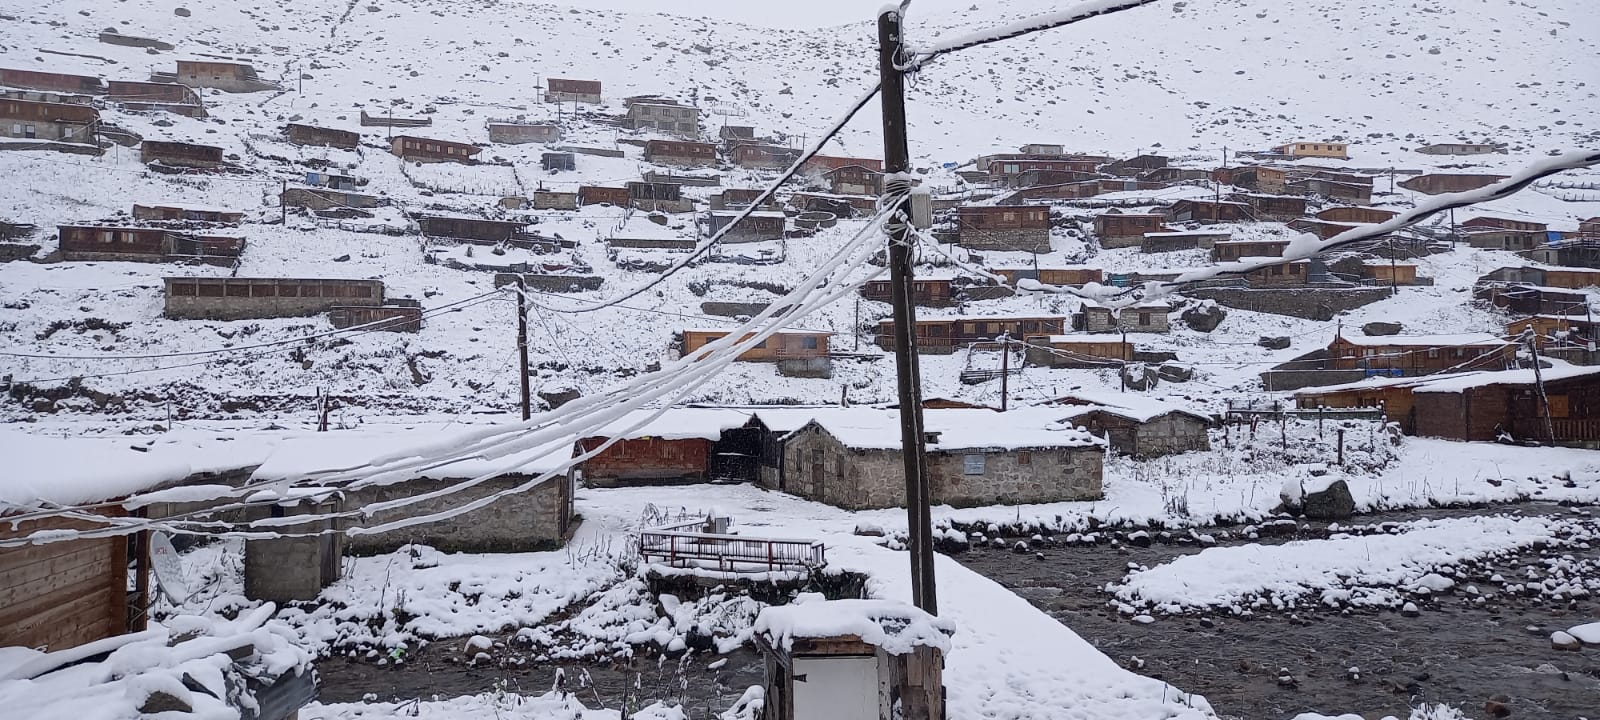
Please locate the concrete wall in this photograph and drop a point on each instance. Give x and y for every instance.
(523, 521)
(1308, 303)
(1018, 240)
(294, 568)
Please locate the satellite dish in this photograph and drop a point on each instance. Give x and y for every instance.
(166, 567)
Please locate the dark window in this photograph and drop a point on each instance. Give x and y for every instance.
(263, 290)
(808, 343)
(361, 291)
(182, 290)
(209, 290)
(287, 290)
(311, 290)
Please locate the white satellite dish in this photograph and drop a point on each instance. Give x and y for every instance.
(167, 568)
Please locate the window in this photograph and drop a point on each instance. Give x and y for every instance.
(183, 290)
(263, 290)
(1024, 458)
(28, 131)
(972, 464)
(808, 343)
(209, 290)
(1009, 217)
(288, 291)
(761, 345)
(1369, 352)
(1433, 352)
(237, 290)
(1144, 319)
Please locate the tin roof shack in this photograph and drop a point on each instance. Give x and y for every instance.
(302, 134)
(58, 82)
(1173, 241)
(1077, 351)
(680, 152)
(1149, 318)
(767, 157)
(682, 445)
(1356, 215)
(1384, 272)
(1277, 208)
(1404, 355)
(668, 117)
(325, 200)
(1137, 425)
(854, 180)
(798, 353)
(225, 76)
(1076, 276)
(596, 195)
(1551, 331)
(187, 213)
(81, 243)
(1209, 211)
(1337, 150)
(160, 96)
(658, 196)
(179, 154)
(231, 298)
(426, 150)
(1440, 183)
(557, 161)
(475, 230)
(559, 90)
(1462, 148)
(824, 163)
(58, 122)
(944, 335)
(515, 133)
(1012, 228)
(850, 458)
(1342, 191)
(552, 200)
(852, 660)
(733, 135)
(397, 315)
(1119, 229)
(925, 292)
(389, 120)
(757, 226)
(1528, 299)
(66, 594)
(1231, 250)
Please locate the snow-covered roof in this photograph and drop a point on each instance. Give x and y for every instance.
(896, 627)
(313, 453)
(1188, 233)
(1438, 341)
(677, 424)
(42, 470)
(866, 428)
(1134, 406)
(1456, 382)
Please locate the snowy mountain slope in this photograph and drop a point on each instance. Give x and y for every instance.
(1164, 73)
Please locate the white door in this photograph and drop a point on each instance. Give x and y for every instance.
(836, 688)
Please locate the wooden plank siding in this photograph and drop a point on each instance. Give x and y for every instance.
(63, 594)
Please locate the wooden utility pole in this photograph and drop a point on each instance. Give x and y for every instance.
(1538, 380)
(522, 347)
(1005, 370)
(896, 169)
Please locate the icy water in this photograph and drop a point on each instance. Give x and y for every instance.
(438, 670)
(1455, 651)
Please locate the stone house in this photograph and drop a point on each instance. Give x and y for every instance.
(1149, 318)
(1042, 149)
(552, 200)
(225, 76)
(427, 150)
(57, 122)
(851, 458)
(179, 154)
(233, 298)
(558, 90)
(303, 134)
(1118, 229)
(1009, 228)
(323, 199)
(516, 133)
(668, 117)
(1137, 425)
(680, 152)
(1077, 351)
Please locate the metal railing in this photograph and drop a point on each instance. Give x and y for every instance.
(729, 552)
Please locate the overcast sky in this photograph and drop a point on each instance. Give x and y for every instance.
(773, 13)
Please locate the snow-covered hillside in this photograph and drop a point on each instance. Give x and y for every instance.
(1187, 78)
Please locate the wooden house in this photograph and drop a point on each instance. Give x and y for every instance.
(1063, 191)
(925, 292)
(681, 445)
(475, 230)
(1010, 228)
(558, 161)
(1002, 169)
(1297, 273)
(235, 298)
(1231, 250)
(217, 74)
(1075, 276)
(1528, 299)
(56, 122)
(854, 180)
(1137, 425)
(756, 226)
(401, 315)
(782, 345)
(1278, 208)
(1384, 272)
(1557, 330)
(680, 152)
(734, 135)
(179, 154)
(759, 156)
(1209, 211)
(1135, 166)
(1077, 351)
(147, 244)
(428, 150)
(739, 199)
(1173, 241)
(1462, 148)
(57, 82)
(1336, 150)
(1036, 178)
(823, 163)
(1117, 229)
(1338, 190)
(596, 195)
(944, 335)
(320, 199)
(1356, 215)
(658, 196)
(303, 134)
(1323, 229)
(1404, 355)
(840, 205)
(559, 90)
(1042, 149)
(1499, 223)
(1440, 183)
(186, 213)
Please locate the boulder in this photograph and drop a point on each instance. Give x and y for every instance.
(1564, 641)
(1333, 502)
(1381, 328)
(1204, 317)
(181, 12)
(557, 398)
(1273, 343)
(1175, 373)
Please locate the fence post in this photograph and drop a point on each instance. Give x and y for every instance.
(1340, 455)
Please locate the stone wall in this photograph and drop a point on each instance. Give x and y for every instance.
(1019, 240)
(1283, 380)
(814, 367)
(523, 521)
(1307, 303)
(1169, 434)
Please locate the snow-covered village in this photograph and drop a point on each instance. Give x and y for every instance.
(730, 360)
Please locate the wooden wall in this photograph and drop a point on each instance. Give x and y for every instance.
(63, 594)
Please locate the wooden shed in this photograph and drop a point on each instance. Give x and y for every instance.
(681, 445)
